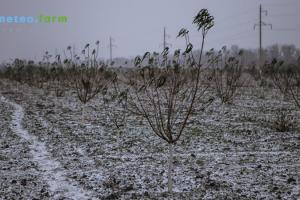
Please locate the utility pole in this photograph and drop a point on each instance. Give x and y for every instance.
(165, 38)
(165, 43)
(111, 45)
(260, 25)
(110, 49)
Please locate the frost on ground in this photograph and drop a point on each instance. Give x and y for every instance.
(233, 153)
(51, 170)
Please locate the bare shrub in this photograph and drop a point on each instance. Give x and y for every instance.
(27, 72)
(286, 78)
(89, 82)
(57, 81)
(115, 102)
(88, 77)
(283, 121)
(226, 74)
(117, 187)
(165, 92)
(113, 184)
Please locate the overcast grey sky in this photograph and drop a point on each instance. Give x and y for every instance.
(137, 25)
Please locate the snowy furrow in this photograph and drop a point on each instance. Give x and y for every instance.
(51, 169)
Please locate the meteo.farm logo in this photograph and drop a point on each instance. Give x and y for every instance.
(42, 19)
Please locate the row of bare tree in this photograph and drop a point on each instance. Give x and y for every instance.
(165, 89)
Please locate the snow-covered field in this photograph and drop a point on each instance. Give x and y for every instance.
(48, 152)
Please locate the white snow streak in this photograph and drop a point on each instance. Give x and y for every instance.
(52, 170)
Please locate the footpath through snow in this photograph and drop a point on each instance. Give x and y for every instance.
(52, 171)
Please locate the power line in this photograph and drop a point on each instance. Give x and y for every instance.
(236, 36)
(282, 4)
(234, 25)
(287, 29)
(285, 15)
(260, 25)
(240, 13)
(229, 37)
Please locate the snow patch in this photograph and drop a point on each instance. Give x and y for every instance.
(51, 169)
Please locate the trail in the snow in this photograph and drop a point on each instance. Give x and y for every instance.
(51, 169)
